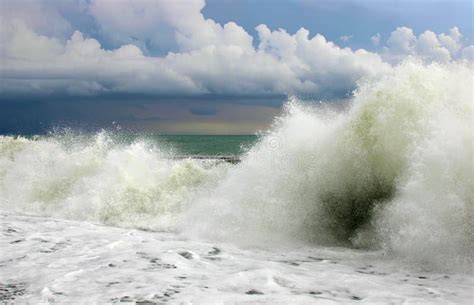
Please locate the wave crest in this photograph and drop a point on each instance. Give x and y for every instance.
(393, 171)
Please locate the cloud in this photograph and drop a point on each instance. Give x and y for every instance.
(205, 58)
(44, 16)
(223, 62)
(345, 38)
(401, 41)
(468, 53)
(375, 39)
(127, 21)
(428, 46)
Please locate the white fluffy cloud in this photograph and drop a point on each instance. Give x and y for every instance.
(207, 58)
(468, 53)
(428, 46)
(127, 20)
(43, 16)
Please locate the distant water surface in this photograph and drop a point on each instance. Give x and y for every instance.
(178, 145)
(210, 145)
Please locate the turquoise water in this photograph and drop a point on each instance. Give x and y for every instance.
(211, 145)
(178, 145)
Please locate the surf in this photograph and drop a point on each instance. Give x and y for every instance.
(393, 171)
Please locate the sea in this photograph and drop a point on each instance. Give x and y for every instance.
(370, 204)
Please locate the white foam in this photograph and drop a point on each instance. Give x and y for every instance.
(393, 172)
(48, 260)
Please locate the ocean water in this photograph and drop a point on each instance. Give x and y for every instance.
(370, 204)
(178, 146)
(212, 146)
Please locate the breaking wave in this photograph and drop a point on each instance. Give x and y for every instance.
(100, 179)
(393, 171)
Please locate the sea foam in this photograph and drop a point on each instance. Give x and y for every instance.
(393, 171)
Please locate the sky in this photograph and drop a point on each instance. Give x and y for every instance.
(206, 67)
